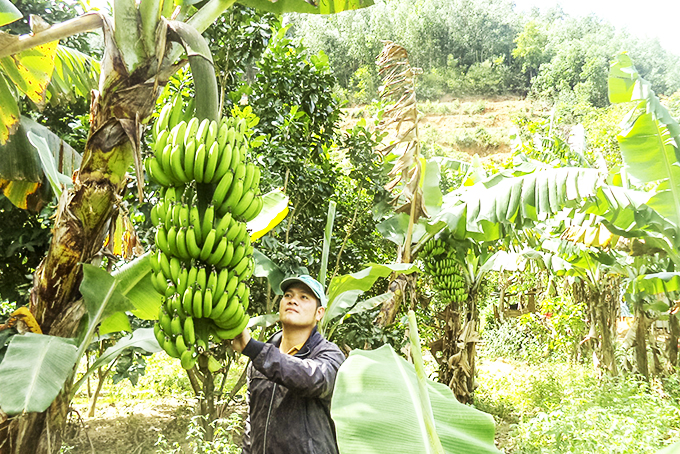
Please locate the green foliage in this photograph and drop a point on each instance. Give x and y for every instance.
(237, 41)
(515, 340)
(558, 408)
(223, 441)
(24, 240)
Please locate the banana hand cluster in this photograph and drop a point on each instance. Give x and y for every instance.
(203, 257)
(440, 262)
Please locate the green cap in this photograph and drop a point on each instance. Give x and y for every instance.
(314, 285)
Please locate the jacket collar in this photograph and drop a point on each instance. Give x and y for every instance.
(312, 341)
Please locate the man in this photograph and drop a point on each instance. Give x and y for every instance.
(291, 377)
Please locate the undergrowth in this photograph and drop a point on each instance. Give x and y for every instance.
(556, 406)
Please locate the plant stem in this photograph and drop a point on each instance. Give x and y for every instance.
(85, 23)
(416, 354)
(328, 233)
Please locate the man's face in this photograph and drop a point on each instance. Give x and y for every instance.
(298, 307)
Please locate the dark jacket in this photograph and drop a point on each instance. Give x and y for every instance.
(290, 397)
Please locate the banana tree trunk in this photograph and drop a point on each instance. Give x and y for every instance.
(456, 351)
(605, 323)
(672, 346)
(641, 343)
(84, 212)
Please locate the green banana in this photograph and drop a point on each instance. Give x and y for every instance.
(190, 158)
(227, 256)
(222, 188)
(207, 222)
(216, 256)
(233, 332)
(199, 162)
(235, 193)
(190, 131)
(197, 304)
(179, 343)
(244, 203)
(224, 164)
(182, 244)
(213, 156)
(189, 332)
(162, 120)
(207, 302)
(187, 359)
(192, 246)
(208, 245)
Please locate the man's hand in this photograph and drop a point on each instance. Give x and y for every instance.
(240, 341)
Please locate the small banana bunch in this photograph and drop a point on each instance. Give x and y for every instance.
(203, 257)
(440, 262)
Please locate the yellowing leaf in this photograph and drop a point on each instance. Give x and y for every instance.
(9, 114)
(26, 317)
(274, 210)
(18, 193)
(31, 70)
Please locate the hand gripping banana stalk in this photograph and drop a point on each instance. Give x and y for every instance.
(202, 258)
(447, 275)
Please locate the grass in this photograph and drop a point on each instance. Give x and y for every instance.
(560, 407)
(155, 416)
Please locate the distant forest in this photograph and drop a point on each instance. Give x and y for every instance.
(483, 48)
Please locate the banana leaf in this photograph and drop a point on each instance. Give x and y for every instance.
(303, 6)
(363, 280)
(651, 136)
(135, 283)
(103, 297)
(141, 338)
(656, 288)
(274, 210)
(75, 75)
(23, 167)
(486, 210)
(377, 408)
(8, 13)
(33, 372)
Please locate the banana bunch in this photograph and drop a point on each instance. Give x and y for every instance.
(203, 255)
(440, 262)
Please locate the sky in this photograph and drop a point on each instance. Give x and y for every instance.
(653, 18)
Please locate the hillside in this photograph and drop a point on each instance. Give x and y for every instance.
(463, 128)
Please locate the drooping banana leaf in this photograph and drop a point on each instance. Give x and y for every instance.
(9, 114)
(134, 281)
(27, 72)
(659, 286)
(30, 71)
(363, 280)
(33, 372)
(377, 409)
(75, 74)
(650, 138)
(22, 173)
(486, 210)
(141, 338)
(274, 210)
